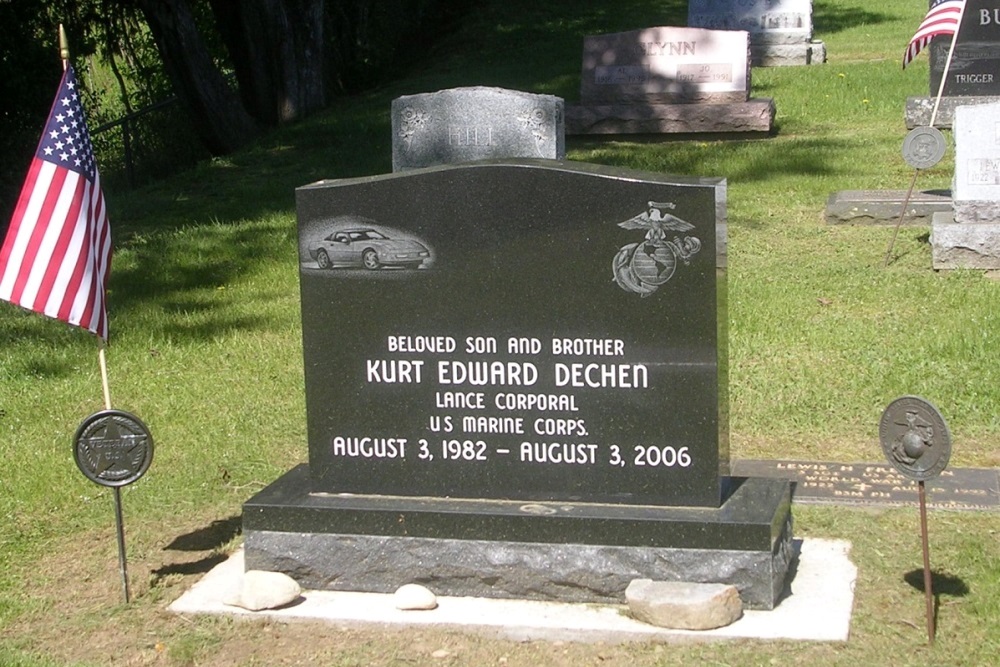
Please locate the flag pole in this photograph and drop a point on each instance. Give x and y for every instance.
(102, 362)
(63, 47)
(934, 112)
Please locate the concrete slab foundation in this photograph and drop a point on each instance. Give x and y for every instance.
(919, 109)
(816, 606)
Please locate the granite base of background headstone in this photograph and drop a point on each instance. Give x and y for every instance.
(883, 207)
(920, 109)
(754, 115)
(968, 236)
(780, 30)
(570, 552)
(667, 80)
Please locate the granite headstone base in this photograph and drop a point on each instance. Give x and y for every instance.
(754, 115)
(786, 55)
(883, 207)
(572, 552)
(964, 245)
(919, 109)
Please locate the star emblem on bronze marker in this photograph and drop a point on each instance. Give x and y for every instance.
(107, 441)
(113, 448)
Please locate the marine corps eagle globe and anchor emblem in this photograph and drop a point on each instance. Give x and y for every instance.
(643, 267)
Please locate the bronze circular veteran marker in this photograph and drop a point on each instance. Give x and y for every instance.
(923, 147)
(113, 448)
(915, 438)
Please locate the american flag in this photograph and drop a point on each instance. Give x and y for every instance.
(57, 252)
(942, 19)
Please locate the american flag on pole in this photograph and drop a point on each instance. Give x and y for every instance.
(942, 19)
(57, 252)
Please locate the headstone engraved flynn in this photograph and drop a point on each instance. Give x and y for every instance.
(667, 65)
(475, 123)
(539, 412)
(667, 79)
(780, 30)
(973, 75)
(969, 235)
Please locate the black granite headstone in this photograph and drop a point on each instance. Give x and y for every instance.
(555, 341)
(515, 381)
(975, 65)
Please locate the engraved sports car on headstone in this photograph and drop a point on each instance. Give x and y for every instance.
(367, 248)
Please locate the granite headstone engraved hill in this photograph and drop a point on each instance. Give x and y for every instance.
(781, 31)
(516, 386)
(974, 73)
(667, 80)
(475, 123)
(969, 236)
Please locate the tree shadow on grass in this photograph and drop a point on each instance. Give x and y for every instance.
(830, 17)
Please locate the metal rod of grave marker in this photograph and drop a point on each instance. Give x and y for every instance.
(925, 544)
(934, 112)
(119, 521)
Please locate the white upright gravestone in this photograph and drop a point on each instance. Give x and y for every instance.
(969, 237)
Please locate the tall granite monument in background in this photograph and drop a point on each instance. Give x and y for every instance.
(516, 386)
(667, 80)
(781, 31)
(973, 75)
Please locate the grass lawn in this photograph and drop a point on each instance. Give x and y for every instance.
(206, 349)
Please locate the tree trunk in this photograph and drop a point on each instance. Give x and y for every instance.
(219, 117)
(277, 51)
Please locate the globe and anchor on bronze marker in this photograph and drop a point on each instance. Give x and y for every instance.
(643, 267)
(916, 441)
(915, 438)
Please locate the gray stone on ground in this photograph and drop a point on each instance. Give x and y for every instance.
(264, 590)
(683, 605)
(414, 597)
